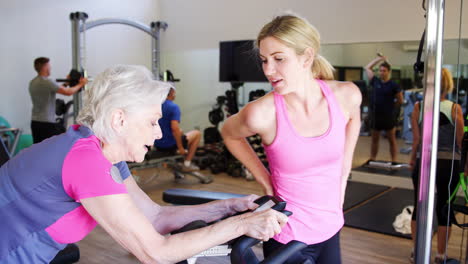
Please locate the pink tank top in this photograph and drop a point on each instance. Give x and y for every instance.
(306, 172)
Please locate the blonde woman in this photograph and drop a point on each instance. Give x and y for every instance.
(309, 126)
(448, 160)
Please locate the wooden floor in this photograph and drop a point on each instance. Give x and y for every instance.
(357, 246)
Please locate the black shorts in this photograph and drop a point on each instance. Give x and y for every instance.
(174, 148)
(43, 130)
(382, 121)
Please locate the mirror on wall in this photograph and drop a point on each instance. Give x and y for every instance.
(401, 55)
(350, 59)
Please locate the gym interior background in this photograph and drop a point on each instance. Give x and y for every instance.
(190, 46)
(352, 33)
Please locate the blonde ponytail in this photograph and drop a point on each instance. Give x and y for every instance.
(322, 69)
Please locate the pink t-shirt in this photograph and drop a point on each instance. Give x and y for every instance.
(307, 173)
(86, 173)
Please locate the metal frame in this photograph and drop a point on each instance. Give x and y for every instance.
(156, 47)
(79, 25)
(16, 133)
(432, 76)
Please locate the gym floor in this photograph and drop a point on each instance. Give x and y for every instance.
(357, 246)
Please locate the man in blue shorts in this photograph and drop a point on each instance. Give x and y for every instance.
(174, 139)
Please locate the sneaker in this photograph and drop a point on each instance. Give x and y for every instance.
(191, 167)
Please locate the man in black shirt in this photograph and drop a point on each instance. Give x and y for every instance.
(385, 97)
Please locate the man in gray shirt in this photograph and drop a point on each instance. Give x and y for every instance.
(42, 91)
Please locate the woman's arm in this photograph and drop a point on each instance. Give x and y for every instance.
(119, 216)
(249, 121)
(457, 115)
(353, 126)
(416, 134)
(166, 219)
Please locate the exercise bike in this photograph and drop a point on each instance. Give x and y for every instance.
(240, 249)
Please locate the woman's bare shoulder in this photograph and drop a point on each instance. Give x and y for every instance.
(259, 113)
(346, 92)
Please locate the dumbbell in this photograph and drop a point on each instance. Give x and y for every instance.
(73, 78)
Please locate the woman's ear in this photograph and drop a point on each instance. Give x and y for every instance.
(309, 55)
(118, 120)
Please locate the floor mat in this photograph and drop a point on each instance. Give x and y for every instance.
(378, 215)
(358, 192)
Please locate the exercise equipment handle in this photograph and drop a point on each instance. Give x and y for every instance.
(284, 252)
(241, 250)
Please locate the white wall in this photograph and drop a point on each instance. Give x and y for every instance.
(31, 28)
(34, 28)
(191, 44)
(202, 24)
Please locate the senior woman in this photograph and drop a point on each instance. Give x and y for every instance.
(55, 192)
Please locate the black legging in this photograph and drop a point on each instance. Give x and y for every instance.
(326, 252)
(443, 172)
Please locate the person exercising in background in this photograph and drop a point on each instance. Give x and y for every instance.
(173, 137)
(449, 147)
(383, 105)
(42, 91)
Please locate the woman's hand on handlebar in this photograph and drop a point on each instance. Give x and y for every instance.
(263, 225)
(242, 204)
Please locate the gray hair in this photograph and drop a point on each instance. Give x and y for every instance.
(130, 88)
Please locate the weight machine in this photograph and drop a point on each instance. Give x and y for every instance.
(80, 25)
